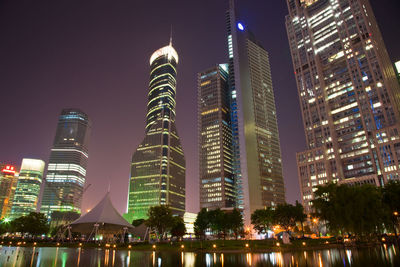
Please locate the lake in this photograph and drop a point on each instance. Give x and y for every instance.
(85, 257)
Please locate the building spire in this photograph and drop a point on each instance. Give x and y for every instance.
(170, 37)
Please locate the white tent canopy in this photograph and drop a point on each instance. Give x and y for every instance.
(104, 215)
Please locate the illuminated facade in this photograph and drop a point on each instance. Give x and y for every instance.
(66, 172)
(257, 165)
(8, 184)
(217, 187)
(158, 165)
(397, 68)
(28, 187)
(348, 93)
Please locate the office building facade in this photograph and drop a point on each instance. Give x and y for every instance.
(158, 164)
(217, 187)
(28, 188)
(257, 164)
(8, 184)
(348, 92)
(66, 171)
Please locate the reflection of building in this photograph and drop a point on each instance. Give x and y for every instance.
(217, 189)
(66, 171)
(8, 184)
(28, 187)
(257, 162)
(348, 92)
(158, 165)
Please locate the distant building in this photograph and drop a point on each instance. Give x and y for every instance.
(28, 187)
(66, 172)
(8, 184)
(158, 165)
(189, 218)
(397, 69)
(217, 187)
(348, 92)
(257, 164)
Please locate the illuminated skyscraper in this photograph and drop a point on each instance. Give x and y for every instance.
(257, 162)
(397, 69)
(66, 172)
(349, 95)
(217, 187)
(8, 184)
(158, 165)
(28, 187)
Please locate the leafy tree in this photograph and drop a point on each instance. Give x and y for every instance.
(351, 209)
(218, 223)
(34, 223)
(4, 226)
(391, 200)
(202, 223)
(300, 216)
(138, 222)
(235, 222)
(263, 220)
(178, 228)
(160, 219)
(285, 216)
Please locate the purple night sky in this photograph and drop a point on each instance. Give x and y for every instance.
(94, 55)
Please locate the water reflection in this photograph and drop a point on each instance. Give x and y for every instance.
(59, 256)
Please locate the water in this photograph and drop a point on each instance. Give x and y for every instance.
(58, 256)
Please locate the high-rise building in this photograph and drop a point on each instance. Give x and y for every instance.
(257, 165)
(8, 184)
(66, 172)
(348, 92)
(28, 187)
(217, 187)
(158, 165)
(397, 69)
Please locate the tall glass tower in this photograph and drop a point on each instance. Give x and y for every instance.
(217, 185)
(158, 165)
(257, 162)
(66, 171)
(28, 187)
(348, 92)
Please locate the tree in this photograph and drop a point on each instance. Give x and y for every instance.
(202, 223)
(34, 223)
(300, 216)
(285, 216)
(4, 226)
(391, 200)
(263, 220)
(160, 219)
(138, 222)
(218, 222)
(178, 228)
(351, 209)
(235, 221)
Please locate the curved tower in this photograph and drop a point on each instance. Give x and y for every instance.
(158, 165)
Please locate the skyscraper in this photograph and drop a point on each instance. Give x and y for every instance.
(66, 172)
(8, 184)
(349, 96)
(158, 165)
(257, 162)
(217, 187)
(28, 187)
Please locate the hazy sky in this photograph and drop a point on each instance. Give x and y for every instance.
(94, 55)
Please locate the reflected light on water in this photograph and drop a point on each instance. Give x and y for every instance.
(79, 256)
(215, 258)
(190, 259)
(128, 258)
(248, 258)
(222, 259)
(208, 260)
(113, 257)
(154, 258)
(106, 256)
(348, 254)
(320, 260)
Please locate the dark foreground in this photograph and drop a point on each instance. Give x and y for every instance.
(384, 255)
